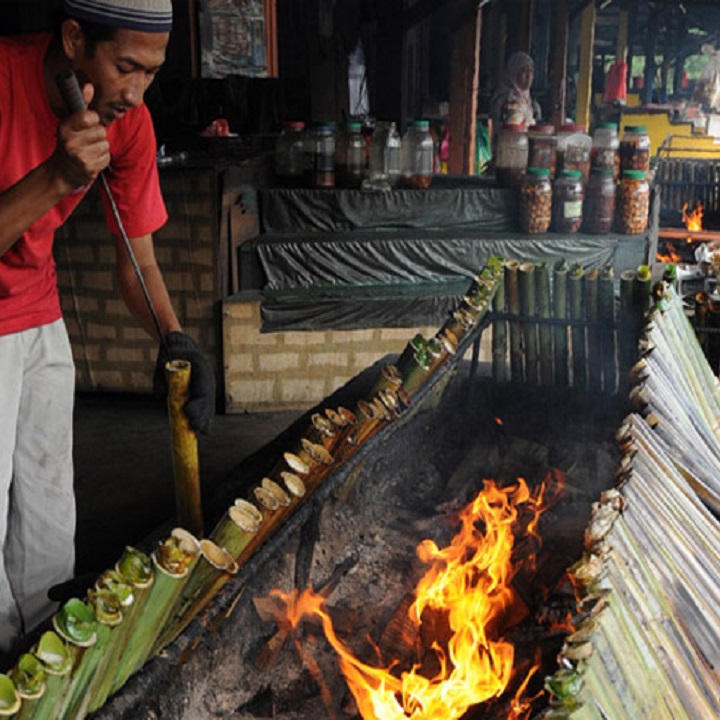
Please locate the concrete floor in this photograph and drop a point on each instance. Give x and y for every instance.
(123, 468)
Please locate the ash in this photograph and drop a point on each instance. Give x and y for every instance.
(363, 538)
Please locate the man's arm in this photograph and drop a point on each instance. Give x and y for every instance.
(132, 292)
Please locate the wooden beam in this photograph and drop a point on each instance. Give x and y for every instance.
(271, 47)
(463, 96)
(559, 61)
(585, 69)
(621, 43)
(527, 13)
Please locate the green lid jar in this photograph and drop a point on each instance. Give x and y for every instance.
(632, 204)
(635, 148)
(536, 201)
(567, 202)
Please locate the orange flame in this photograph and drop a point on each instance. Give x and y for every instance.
(467, 584)
(670, 255)
(693, 221)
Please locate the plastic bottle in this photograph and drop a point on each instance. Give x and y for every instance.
(599, 210)
(384, 165)
(567, 202)
(635, 149)
(632, 203)
(289, 158)
(417, 155)
(605, 151)
(350, 156)
(573, 149)
(536, 201)
(511, 155)
(542, 147)
(320, 157)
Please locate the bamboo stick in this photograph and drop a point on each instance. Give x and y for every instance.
(499, 336)
(577, 313)
(606, 318)
(560, 312)
(545, 331)
(528, 305)
(593, 330)
(512, 293)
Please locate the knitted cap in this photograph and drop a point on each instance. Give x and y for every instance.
(142, 15)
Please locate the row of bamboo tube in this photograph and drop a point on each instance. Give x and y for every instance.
(143, 604)
(558, 325)
(647, 635)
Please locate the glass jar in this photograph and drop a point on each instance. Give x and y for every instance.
(542, 147)
(567, 202)
(573, 150)
(599, 210)
(417, 155)
(385, 147)
(635, 149)
(320, 157)
(632, 203)
(536, 201)
(289, 153)
(605, 152)
(511, 155)
(350, 156)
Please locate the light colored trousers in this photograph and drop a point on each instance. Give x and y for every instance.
(37, 503)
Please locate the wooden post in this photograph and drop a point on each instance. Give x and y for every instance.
(559, 61)
(650, 66)
(271, 47)
(585, 71)
(527, 13)
(621, 42)
(463, 95)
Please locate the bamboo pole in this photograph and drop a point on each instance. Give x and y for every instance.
(186, 466)
(593, 330)
(528, 305)
(576, 303)
(560, 312)
(512, 293)
(499, 336)
(545, 331)
(606, 318)
(700, 319)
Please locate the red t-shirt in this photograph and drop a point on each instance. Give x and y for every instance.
(28, 284)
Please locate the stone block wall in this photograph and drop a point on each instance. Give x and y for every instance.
(111, 351)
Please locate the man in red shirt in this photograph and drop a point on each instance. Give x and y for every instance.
(50, 159)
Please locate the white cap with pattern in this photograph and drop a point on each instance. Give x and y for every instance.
(143, 15)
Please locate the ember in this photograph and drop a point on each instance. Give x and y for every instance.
(466, 590)
(693, 220)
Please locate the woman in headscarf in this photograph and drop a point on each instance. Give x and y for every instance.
(511, 102)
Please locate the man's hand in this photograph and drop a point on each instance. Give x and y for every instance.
(82, 150)
(200, 408)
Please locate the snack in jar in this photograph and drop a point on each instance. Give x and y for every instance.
(605, 151)
(511, 155)
(567, 202)
(542, 147)
(573, 149)
(599, 210)
(536, 201)
(632, 203)
(635, 148)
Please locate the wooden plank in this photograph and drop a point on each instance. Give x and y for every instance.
(585, 69)
(559, 61)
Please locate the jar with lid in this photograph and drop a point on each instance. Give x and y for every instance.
(536, 201)
(632, 203)
(417, 155)
(384, 161)
(289, 153)
(320, 157)
(635, 148)
(511, 155)
(567, 201)
(599, 210)
(573, 150)
(605, 152)
(350, 156)
(542, 147)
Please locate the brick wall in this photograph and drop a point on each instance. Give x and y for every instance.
(111, 351)
(274, 371)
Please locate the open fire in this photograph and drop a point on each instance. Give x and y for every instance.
(463, 604)
(679, 247)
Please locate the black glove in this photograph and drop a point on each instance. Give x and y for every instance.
(200, 407)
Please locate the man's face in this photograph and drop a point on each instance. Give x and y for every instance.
(525, 77)
(121, 70)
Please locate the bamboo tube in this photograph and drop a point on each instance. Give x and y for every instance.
(186, 466)
(172, 561)
(9, 697)
(28, 676)
(499, 336)
(237, 527)
(629, 325)
(670, 275)
(560, 312)
(593, 330)
(526, 285)
(108, 612)
(700, 318)
(643, 289)
(214, 568)
(56, 659)
(135, 569)
(713, 344)
(606, 318)
(512, 294)
(576, 306)
(545, 332)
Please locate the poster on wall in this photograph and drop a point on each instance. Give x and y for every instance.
(232, 38)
